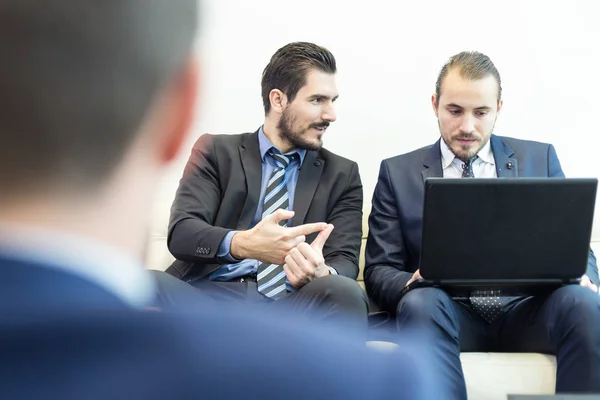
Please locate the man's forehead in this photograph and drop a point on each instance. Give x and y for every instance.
(464, 92)
(320, 83)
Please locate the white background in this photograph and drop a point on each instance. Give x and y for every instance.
(389, 54)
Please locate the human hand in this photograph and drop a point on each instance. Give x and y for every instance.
(305, 262)
(416, 276)
(270, 242)
(586, 282)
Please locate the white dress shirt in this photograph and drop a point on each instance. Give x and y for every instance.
(117, 272)
(483, 167)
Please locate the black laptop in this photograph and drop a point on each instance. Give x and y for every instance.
(521, 236)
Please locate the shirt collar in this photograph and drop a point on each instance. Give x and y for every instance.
(265, 145)
(117, 272)
(447, 154)
(485, 154)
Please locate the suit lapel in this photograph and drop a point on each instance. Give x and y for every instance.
(432, 165)
(252, 166)
(308, 180)
(506, 165)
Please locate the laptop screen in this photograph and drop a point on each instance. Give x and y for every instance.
(506, 228)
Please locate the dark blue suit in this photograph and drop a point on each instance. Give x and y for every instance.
(566, 323)
(64, 337)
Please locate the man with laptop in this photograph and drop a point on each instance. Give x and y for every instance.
(482, 314)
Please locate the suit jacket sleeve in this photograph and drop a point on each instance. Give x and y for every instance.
(385, 273)
(192, 236)
(555, 170)
(342, 249)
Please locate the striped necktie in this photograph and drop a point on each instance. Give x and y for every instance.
(271, 277)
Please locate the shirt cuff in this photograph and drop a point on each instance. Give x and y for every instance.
(224, 253)
(332, 270)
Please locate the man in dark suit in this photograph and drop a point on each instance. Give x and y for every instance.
(90, 115)
(566, 322)
(232, 228)
(127, 354)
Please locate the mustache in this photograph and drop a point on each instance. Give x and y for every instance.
(323, 124)
(466, 137)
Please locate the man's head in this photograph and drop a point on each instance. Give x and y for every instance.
(298, 91)
(466, 102)
(86, 84)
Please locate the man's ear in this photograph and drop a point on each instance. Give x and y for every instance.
(180, 106)
(278, 101)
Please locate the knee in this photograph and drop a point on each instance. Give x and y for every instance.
(423, 304)
(580, 305)
(575, 314)
(341, 290)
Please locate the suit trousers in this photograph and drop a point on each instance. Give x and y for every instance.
(565, 323)
(332, 299)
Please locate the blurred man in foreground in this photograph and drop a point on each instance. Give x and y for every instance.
(96, 98)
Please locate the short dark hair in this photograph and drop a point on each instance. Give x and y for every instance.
(289, 66)
(471, 65)
(77, 79)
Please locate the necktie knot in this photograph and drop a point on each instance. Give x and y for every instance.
(283, 160)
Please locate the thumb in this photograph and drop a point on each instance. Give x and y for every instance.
(321, 238)
(279, 216)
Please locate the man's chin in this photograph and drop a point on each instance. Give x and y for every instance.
(463, 154)
(312, 145)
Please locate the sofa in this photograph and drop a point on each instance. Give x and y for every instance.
(489, 376)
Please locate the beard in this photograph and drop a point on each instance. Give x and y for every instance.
(463, 152)
(297, 138)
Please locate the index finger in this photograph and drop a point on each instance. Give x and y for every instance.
(307, 229)
(319, 242)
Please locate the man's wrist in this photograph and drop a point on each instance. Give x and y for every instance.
(237, 249)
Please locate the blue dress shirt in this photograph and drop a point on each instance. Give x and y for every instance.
(232, 268)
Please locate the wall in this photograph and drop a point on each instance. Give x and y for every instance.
(389, 54)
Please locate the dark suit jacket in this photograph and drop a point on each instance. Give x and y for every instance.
(30, 286)
(395, 223)
(220, 189)
(63, 337)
